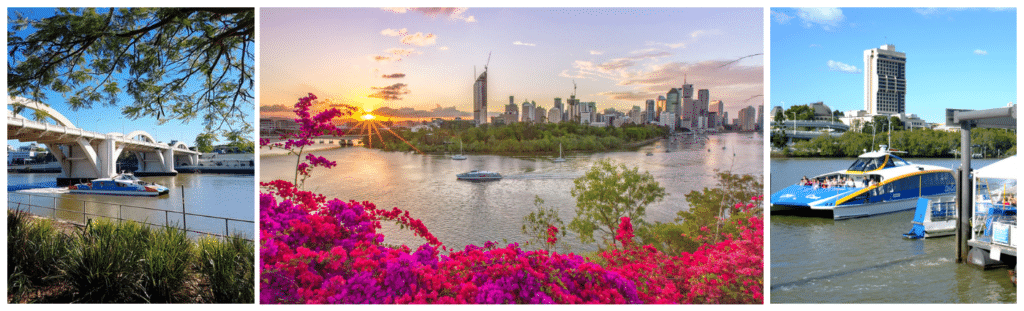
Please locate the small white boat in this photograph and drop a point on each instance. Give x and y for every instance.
(934, 217)
(479, 175)
(559, 158)
(122, 184)
(459, 156)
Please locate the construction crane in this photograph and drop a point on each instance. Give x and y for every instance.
(488, 61)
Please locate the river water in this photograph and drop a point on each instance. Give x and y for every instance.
(820, 260)
(217, 195)
(461, 213)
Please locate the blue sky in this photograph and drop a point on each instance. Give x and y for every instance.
(104, 119)
(619, 57)
(956, 58)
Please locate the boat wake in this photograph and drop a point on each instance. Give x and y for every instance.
(541, 176)
(788, 285)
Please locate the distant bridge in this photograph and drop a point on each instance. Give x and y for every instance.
(86, 155)
(788, 125)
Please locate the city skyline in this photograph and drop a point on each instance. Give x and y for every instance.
(421, 60)
(956, 58)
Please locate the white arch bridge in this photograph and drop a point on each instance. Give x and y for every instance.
(86, 155)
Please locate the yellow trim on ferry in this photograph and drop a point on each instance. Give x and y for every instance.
(887, 181)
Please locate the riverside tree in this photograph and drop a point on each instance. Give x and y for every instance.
(711, 218)
(608, 192)
(175, 63)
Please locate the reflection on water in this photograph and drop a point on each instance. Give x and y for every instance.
(820, 260)
(217, 195)
(461, 213)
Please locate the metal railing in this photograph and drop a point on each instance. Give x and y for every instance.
(202, 229)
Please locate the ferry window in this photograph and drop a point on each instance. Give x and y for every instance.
(890, 163)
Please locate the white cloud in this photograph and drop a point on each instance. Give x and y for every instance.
(419, 39)
(451, 13)
(593, 52)
(701, 33)
(393, 32)
(838, 66)
(827, 18)
(813, 45)
(780, 17)
(523, 43)
(981, 52)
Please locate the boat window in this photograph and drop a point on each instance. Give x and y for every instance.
(898, 161)
(862, 164)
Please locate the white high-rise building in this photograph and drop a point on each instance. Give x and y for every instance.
(885, 80)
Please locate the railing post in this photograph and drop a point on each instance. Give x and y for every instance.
(167, 222)
(225, 227)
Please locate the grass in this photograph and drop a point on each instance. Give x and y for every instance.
(127, 262)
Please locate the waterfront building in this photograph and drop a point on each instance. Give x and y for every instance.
(673, 105)
(574, 109)
(278, 125)
(480, 99)
(593, 111)
(703, 100)
(747, 117)
(585, 113)
(511, 112)
(541, 115)
(660, 103)
(775, 110)
(651, 111)
(760, 116)
(528, 112)
(555, 115)
(717, 107)
(667, 119)
(885, 81)
(635, 115)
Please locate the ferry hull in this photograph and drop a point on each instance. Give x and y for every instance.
(117, 192)
(864, 210)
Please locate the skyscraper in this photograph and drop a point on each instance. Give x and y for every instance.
(703, 98)
(650, 112)
(885, 80)
(480, 99)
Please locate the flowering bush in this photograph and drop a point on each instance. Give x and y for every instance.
(315, 250)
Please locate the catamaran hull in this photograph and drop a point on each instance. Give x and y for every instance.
(864, 210)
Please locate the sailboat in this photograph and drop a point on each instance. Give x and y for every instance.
(560, 158)
(459, 156)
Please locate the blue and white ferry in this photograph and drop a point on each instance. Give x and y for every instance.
(122, 184)
(878, 182)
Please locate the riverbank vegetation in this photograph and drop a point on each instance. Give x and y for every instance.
(106, 262)
(918, 143)
(315, 249)
(516, 138)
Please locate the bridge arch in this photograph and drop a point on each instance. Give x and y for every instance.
(34, 105)
(180, 144)
(142, 133)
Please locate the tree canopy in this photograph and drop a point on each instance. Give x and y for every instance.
(608, 192)
(174, 63)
